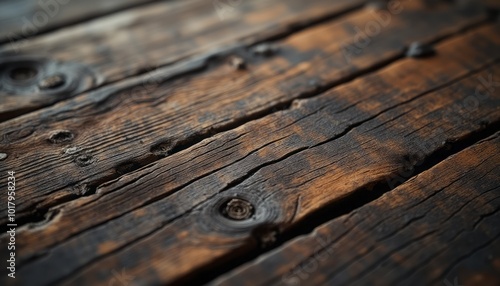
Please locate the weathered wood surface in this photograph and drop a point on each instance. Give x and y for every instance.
(125, 126)
(128, 181)
(441, 226)
(143, 39)
(24, 19)
(344, 141)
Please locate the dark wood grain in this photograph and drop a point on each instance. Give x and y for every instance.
(288, 164)
(122, 127)
(439, 228)
(142, 39)
(23, 19)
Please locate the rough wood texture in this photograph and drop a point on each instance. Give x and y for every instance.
(439, 228)
(23, 19)
(143, 39)
(343, 141)
(147, 179)
(125, 126)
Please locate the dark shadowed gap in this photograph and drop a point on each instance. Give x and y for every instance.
(336, 209)
(39, 214)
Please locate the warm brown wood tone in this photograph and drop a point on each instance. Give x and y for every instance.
(125, 126)
(441, 226)
(462, 50)
(158, 34)
(289, 164)
(266, 127)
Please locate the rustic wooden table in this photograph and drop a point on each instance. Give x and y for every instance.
(250, 142)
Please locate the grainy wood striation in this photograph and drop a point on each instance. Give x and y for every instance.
(289, 164)
(441, 226)
(141, 40)
(125, 126)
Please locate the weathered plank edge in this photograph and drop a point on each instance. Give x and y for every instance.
(238, 274)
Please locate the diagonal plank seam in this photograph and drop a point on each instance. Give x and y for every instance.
(148, 160)
(349, 207)
(470, 72)
(380, 188)
(453, 238)
(386, 256)
(40, 215)
(358, 198)
(193, 63)
(159, 228)
(462, 142)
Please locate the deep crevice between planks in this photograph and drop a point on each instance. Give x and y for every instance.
(338, 208)
(355, 200)
(42, 215)
(214, 57)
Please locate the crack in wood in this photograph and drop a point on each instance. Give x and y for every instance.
(208, 133)
(343, 206)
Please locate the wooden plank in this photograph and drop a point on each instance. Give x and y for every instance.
(24, 19)
(492, 5)
(88, 140)
(441, 226)
(342, 141)
(140, 40)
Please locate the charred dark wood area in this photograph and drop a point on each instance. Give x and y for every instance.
(263, 142)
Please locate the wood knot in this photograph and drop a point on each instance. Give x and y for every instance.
(84, 160)
(20, 75)
(23, 73)
(237, 209)
(60, 136)
(239, 212)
